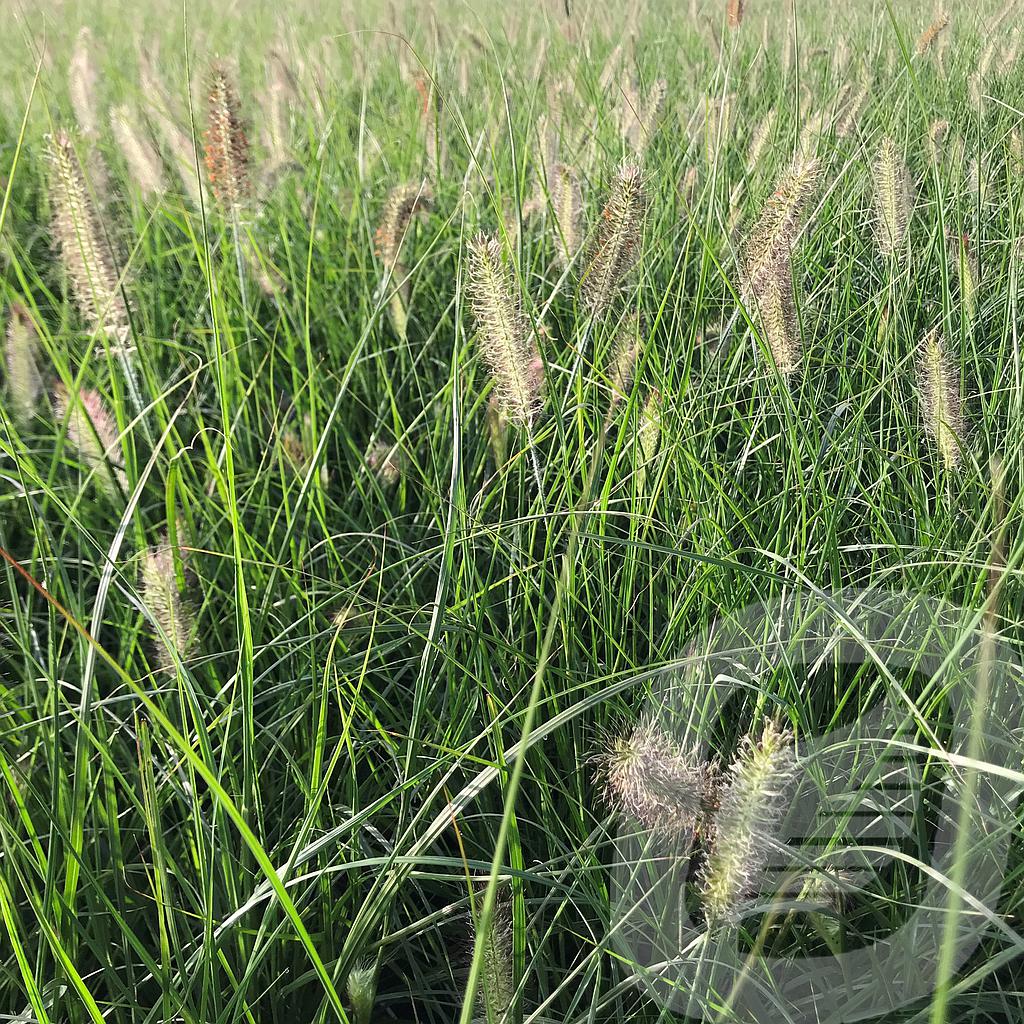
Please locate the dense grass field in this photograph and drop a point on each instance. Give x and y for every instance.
(395, 399)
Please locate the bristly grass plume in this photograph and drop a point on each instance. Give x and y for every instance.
(746, 823)
(226, 141)
(503, 332)
(941, 407)
(496, 990)
(651, 781)
(616, 249)
(567, 203)
(894, 199)
(170, 609)
(142, 159)
(85, 249)
(24, 382)
(774, 233)
(92, 433)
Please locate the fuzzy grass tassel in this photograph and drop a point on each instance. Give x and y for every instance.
(750, 811)
(774, 233)
(168, 608)
(624, 357)
(567, 201)
(83, 78)
(361, 987)
(931, 33)
(84, 248)
(496, 990)
(503, 331)
(24, 384)
(776, 317)
(651, 781)
(226, 141)
(941, 407)
(176, 142)
(894, 199)
(92, 433)
(144, 163)
(403, 203)
(616, 249)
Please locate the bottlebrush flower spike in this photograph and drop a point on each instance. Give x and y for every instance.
(403, 203)
(226, 141)
(941, 407)
(617, 246)
(651, 781)
(567, 201)
(734, 13)
(169, 609)
(361, 988)
(937, 132)
(503, 331)
(83, 77)
(24, 384)
(776, 316)
(931, 33)
(746, 823)
(143, 161)
(92, 433)
(496, 990)
(84, 248)
(177, 144)
(624, 357)
(772, 237)
(894, 199)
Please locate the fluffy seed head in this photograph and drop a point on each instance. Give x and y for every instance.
(361, 988)
(617, 245)
(760, 139)
(894, 199)
(931, 33)
(83, 77)
(772, 237)
(937, 132)
(143, 161)
(169, 609)
(751, 807)
(497, 987)
(502, 330)
(624, 357)
(852, 114)
(24, 384)
(734, 13)
(776, 316)
(84, 249)
(226, 141)
(385, 461)
(967, 266)
(567, 201)
(652, 782)
(939, 386)
(92, 433)
(177, 144)
(403, 203)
